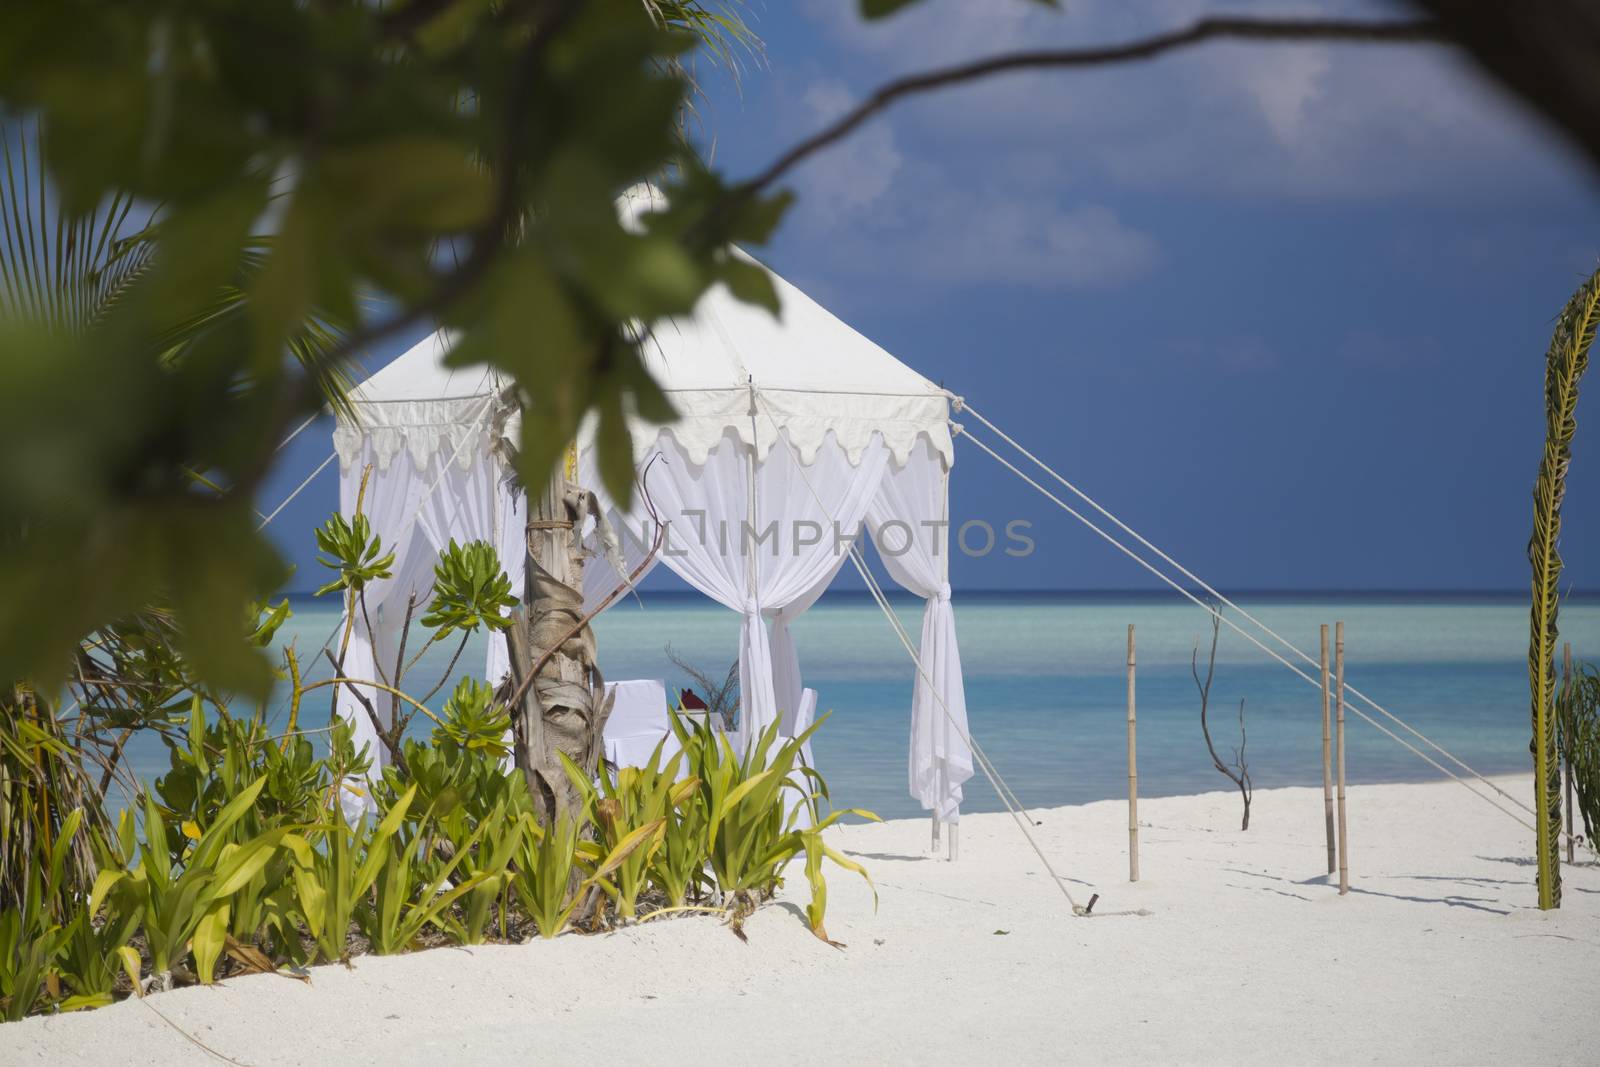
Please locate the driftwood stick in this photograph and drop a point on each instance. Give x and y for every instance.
(1239, 772)
(1133, 769)
(1344, 837)
(1327, 758)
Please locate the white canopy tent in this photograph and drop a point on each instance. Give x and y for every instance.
(794, 435)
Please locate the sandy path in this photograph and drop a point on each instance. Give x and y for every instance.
(1247, 956)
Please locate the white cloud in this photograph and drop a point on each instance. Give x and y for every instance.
(1286, 121)
(868, 207)
(931, 229)
(1036, 244)
(854, 175)
(1286, 86)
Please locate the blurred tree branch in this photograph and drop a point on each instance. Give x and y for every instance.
(1260, 30)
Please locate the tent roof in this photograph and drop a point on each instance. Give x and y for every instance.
(806, 371)
(728, 344)
(731, 367)
(420, 374)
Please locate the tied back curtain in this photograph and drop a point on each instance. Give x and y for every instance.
(910, 523)
(763, 554)
(416, 511)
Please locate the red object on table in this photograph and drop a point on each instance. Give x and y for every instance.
(690, 701)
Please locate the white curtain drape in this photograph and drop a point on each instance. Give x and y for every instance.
(510, 542)
(766, 556)
(417, 511)
(909, 520)
(790, 481)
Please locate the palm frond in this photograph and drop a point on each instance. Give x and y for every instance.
(313, 346)
(723, 36)
(720, 26)
(1565, 364)
(54, 265)
(65, 273)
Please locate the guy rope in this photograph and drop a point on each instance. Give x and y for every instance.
(1466, 779)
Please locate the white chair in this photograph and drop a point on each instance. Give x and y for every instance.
(638, 722)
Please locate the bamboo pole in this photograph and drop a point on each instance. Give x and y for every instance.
(1344, 839)
(1133, 771)
(1327, 755)
(1566, 745)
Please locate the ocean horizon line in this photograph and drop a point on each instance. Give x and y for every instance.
(1374, 594)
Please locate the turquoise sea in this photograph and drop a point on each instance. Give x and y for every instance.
(1046, 684)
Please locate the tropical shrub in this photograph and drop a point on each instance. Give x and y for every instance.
(184, 901)
(1578, 717)
(754, 825)
(677, 867)
(628, 800)
(29, 938)
(242, 855)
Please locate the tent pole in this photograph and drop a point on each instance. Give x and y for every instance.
(935, 846)
(752, 572)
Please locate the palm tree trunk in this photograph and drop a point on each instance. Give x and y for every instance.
(561, 710)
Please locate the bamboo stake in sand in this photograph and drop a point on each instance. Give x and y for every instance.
(1133, 772)
(1566, 764)
(1327, 754)
(1344, 840)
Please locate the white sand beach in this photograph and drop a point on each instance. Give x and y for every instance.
(1246, 954)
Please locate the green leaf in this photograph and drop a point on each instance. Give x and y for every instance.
(751, 283)
(210, 937)
(414, 181)
(877, 9)
(615, 448)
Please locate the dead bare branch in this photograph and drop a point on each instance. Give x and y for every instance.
(721, 699)
(1238, 772)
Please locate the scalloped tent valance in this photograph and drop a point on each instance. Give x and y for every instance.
(419, 406)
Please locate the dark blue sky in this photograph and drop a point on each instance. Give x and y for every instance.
(1283, 309)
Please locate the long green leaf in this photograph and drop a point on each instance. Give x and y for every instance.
(1565, 364)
